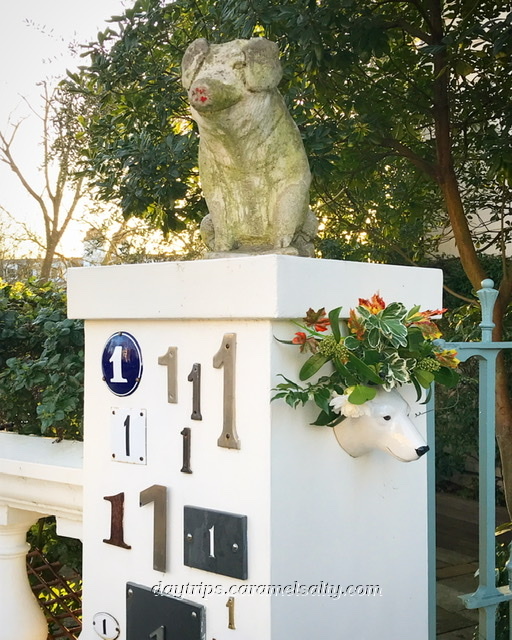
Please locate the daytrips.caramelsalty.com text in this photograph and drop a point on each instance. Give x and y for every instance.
(321, 589)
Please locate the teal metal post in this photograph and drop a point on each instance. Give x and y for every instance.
(431, 519)
(488, 595)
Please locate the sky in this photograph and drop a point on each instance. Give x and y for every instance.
(34, 47)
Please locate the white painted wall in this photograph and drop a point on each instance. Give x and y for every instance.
(315, 515)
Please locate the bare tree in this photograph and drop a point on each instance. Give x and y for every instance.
(62, 187)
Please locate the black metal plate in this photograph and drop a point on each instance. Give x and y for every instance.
(216, 541)
(162, 617)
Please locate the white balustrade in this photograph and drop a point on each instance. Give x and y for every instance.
(38, 477)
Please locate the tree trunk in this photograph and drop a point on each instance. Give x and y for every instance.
(473, 268)
(504, 429)
(46, 267)
(503, 407)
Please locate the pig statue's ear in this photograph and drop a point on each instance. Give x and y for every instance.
(192, 60)
(262, 67)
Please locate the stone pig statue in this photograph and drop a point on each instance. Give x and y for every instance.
(385, 426)
(252, 164)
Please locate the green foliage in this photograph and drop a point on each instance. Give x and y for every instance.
(41, 361)
(66, 551)
(455, 280)
(388, 347)
(359, 78)
(502, 556)
(457, 409)
(457, 434)
(65, 556)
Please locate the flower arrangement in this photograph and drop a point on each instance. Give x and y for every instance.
(387, 346)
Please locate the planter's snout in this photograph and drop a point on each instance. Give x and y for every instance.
(386, 426)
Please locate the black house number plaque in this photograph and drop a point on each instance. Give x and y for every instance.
(216, 541)
(162, 617)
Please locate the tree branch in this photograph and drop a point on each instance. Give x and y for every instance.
(401, 149)
(412, 30)
(7, 157)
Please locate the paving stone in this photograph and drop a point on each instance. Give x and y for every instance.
(448, 598)
(454, 557)
(450, 571)
(459, 634)
(448, 621)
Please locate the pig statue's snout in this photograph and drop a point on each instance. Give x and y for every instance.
(207, 95)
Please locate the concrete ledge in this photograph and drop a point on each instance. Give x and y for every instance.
(265, 286)
(43, 476)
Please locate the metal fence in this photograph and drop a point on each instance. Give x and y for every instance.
(488, 595)
(59, 594)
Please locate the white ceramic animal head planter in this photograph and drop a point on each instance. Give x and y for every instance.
(386, 426)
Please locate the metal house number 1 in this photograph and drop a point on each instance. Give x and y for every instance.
(225, 358)
(121, 363)
(117, 367)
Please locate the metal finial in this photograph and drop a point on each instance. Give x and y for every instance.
(487, 296)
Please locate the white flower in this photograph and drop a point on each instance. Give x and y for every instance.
(342, 405)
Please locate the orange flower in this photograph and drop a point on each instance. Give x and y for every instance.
(436, 312)
(374, 305)
(306, 344)
(300, 338)
(429, 329)
(447, 358)
(355, 324)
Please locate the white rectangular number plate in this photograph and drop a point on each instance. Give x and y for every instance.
(128, 435)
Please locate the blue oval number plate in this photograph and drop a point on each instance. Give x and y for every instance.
(121, 363)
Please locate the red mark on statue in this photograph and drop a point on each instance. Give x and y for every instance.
(198, 94)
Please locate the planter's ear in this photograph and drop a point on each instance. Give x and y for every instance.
(192, 60)
(263, 69)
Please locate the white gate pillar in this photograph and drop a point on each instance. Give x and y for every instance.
(181, 359)
(20, 615)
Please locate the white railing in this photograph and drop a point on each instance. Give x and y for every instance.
(38, 477)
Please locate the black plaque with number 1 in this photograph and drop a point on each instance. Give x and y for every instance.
(215, 541)
(161, 617)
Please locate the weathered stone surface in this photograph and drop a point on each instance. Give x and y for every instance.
(253, 168)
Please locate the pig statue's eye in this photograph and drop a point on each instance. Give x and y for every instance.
(239, 65)
(387, 417)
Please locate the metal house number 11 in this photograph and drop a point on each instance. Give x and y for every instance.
(225, 359)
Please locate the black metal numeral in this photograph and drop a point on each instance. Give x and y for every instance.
(195, 378)
(186, 433)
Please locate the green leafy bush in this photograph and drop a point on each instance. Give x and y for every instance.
(502, 578)
(457, 409)
(41, 361)
(61, 549)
